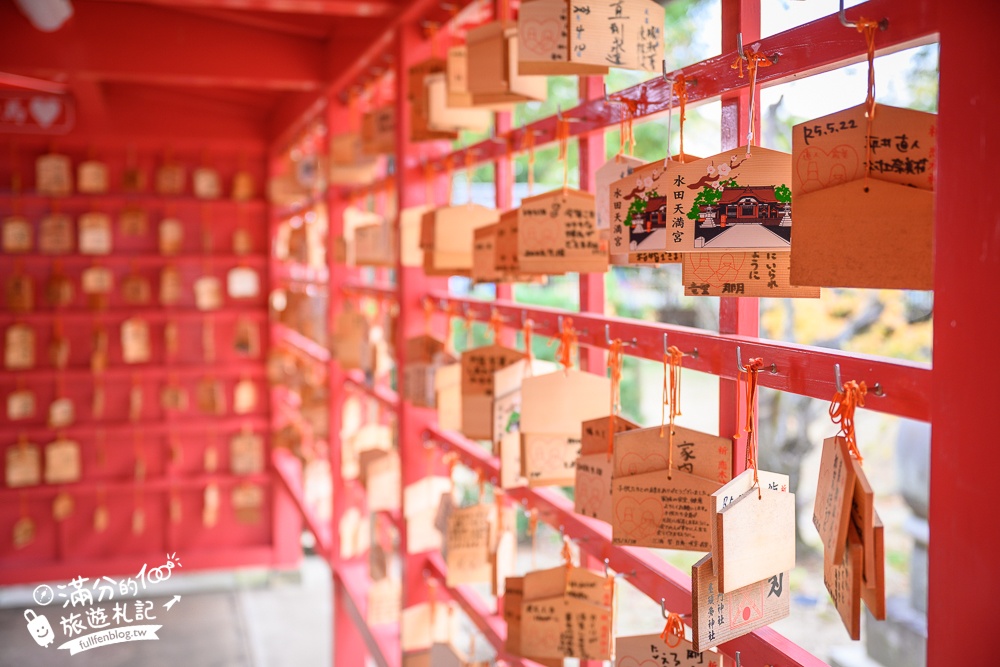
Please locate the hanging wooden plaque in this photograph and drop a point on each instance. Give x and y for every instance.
(653, 650)
(59, 351)
(244, 396)
(756, 538)
(651, 510)
(55, 234)
(170, 179)
(493, 74)
(873, 589)
(62, 506)
(92, 177)
(62, 462)
(719, 617)
(843, 579)
(834, 495)
(484, 265)
(382, 479)
(467, 545)
(23, 465)
(862, 517)
(210, 397)
(247, 501)
(17, 235)
(242, 282)
(592, 495)
(863, 216)
(448, 396)
(512, 603)
(19, 347)
(208, 293)
(206, 184)
(426, 623)
(754, 273)
(97, 280)
(442, 117)
(53, 175)
(480, 387)
(136, 290)
(19, 294)
(643, 450)
(171, 236)
(729, 492)
(543, 28)
(557, 233)
(448, 245)
(242, 242)
(210, 506)
(133, 179)
(616, 169)
(58, 291)
(565, 627)
(94, 234)
(246, 338)
(171, 286)
(133, 222)
(174, 397)
(20, 404)
(378, 131)
(384, 601)
(61, 412)
(23, 533)
(243, 186)
(135, 341)
(101, 519)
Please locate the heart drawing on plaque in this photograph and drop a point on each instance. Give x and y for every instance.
(817, 168)
(541, 35)
(45, 110)
(629, 661)
(633, 464)
(720, 268)
(638, 520)
(589, 492)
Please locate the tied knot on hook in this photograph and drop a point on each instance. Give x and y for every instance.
(749, 374)
(867, 28)
(672, 398)
(567, 556)
(754, 60)
(567, 344)
(673, 631)
(615, 360)
(679, 89)
(496, 324)
(842, 410)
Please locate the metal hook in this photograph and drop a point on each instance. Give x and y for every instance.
(838, 385)
(883, 24)
(738, 659)
(524, 318)
(741, 369)
(559, 111)
(739, 48)
(670, 79)
(494, 138)
(560, 324)
(663, 610)
(607, 338)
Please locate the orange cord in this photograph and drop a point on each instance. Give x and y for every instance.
(750, 371)
(567, 344)
(672, 397)
(429, 184)
(680, 91)
(469, 319)
(615, 359)
(754, 60)
(842, 412)
(868, 27)
(428, 314)
(567, 556)
(528, 326)
(496, 325)
(562, 136)
(673, 629)
(529, 145)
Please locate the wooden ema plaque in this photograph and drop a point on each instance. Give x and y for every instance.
(644, 450)
(243, 186)
(592, 496)
(94, 234)
(55, 234)
(16, 235)
(171, 236)
(92, 177)
(557, 233)
(616, 169)
(133, 221)
(135, 341)
(758, 273)
(864, 232)
(375, 245)
(62, 462)
(843, 582)
(423, 501)
(512, 601)
(756, 537)
(23, 465)
(382, 480)
(652, 510)
(647, 225)
(20, 404)
(19, 294)
(493, 74)
(170, 178)
(482, 385)
(424, 624)
(873, 590)
(19, 347)
(206, 183)
(424, 356)
(448, 396)
(729, 492)
(484, 255)
(443, 117)
(450, 236)
(349, 335)
(208, 293)
(566, 621)
(53, 175)
(467, 545)
(652, 650)
(348, 163)
(378, 131)
(384, 599)
(543, 28)
(718, 617)
(834, 496)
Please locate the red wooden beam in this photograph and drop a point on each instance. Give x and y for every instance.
(145, 44)
(341, 8)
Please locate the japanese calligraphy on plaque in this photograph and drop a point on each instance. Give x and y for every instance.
(92, 177)
(879, 215)
(53, 175)
(653, 650)
(62, 462)
(566, 614)
(482, 385)
(19, 347)
(23, 465)
(543, 28)
(666, 512)
(592, 496)
(467, 545)
(55, 234)
(17, 235)
(94, 234)
(557, 233)
(759, 273)
(718, 617)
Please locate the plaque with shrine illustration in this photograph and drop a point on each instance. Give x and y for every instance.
(870, 194)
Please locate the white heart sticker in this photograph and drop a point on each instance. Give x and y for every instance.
(45, 110)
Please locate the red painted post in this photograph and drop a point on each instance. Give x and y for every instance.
(963, 576)
(737, 315)
(591, 158)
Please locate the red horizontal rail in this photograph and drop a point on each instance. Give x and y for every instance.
(137, 259)
(117, 200)
(804, 370)
(382, 641)
(490, 625)
(650, 574)
(383, 395)
(164, 483)
(281, 213)
(149, 314)
(298, 272)
(298, 342)
(288, 470)
(143, 371)
(173, 427)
